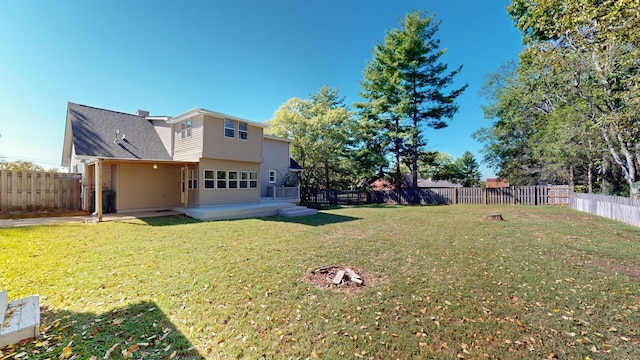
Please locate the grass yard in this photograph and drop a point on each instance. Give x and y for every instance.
(547, 282)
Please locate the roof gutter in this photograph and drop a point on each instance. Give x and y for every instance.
(93, 160)
(198, 111)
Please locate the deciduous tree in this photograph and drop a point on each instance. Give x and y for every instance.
(319, 128)
(588, 52)
(20, 165)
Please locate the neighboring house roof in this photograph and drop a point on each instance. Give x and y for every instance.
(277, 138)
(383, 184)
(92, 132)
(428, 183)
(496, 183)
(294, 166)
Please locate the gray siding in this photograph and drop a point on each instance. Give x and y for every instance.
(276, 157)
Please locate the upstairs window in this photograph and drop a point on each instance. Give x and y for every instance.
(185, 129)
(243, 134)
(229, 128)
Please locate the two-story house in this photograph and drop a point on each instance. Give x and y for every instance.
(198, 161)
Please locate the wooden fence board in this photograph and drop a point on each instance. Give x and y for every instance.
(34, 191)
(617, 208)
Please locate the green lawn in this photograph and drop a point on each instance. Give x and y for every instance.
(547, 282)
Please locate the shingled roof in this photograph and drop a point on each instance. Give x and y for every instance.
(94, 132)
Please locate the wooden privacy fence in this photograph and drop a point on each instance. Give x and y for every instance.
(618, 208)
(521, 195)
(36, 191)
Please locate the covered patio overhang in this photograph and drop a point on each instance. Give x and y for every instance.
(98, 163)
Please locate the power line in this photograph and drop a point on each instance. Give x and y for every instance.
(15, 158)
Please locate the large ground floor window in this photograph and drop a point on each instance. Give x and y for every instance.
(230, 179)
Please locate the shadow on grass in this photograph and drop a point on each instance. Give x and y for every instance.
(139, 330)
(318, 206)
(312, 220)
(167, 220)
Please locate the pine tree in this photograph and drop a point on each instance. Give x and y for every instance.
(406, 86)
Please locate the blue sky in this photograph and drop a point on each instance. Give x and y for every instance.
(244, 58)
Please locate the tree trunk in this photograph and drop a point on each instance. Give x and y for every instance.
(590, 176)
(628, 165)
(398, 144)
(326, 175)
(571, 175)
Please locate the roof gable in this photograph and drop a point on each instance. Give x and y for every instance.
(93, 133)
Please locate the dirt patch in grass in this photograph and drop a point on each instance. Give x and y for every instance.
(323, 278)
(629, 268)
(617, 266)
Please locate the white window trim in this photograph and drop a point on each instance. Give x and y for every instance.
(185, 129)
(243, 177)
(205, 179)
(225, 179)
(192, 180)
(227, 128)
(273, 174)
(251, 179)
(235, 180)
(246, 132)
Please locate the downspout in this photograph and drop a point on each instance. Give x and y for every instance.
(98, 192)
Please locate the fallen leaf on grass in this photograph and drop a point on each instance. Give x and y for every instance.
(108, 353)
(66, 353)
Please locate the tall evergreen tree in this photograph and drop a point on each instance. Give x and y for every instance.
(468, 170)
(406, 86)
